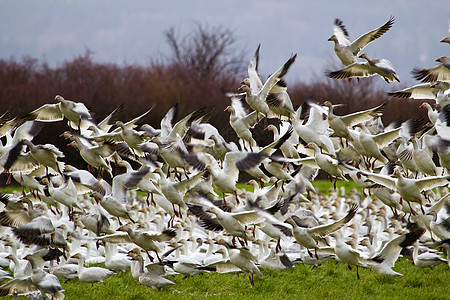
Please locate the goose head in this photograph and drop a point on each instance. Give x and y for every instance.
(364, 55)
(333, 38)
(59, 98)
(245, 81)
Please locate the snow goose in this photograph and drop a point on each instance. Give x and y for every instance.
(309, 237)
(372, 67)
(113, 206)
(441, 147)
(243, 259)
(133, 138)
(439, 91)
(426, 259)
(39, 231)
(91, 274)
(328, 164)
(12, 158)
(347, 51)
(20, 217)
(241, 122)
(440, 72)
(288, 148)
(175, 191)
(145, 183)
(93, 155)
(65, 271)
(278, 99)
(224, 179)
(145, 240)
(39, 280)
(257, 100)
(383, 261)
(232, 222)
(114, 260)
(382, 67)
(347, 254)
(409, 188)
(372, 144)
(442, 124)
(77, 114)
(272, 227)
(154, 277)
(45, 282)
(423, 158)
(340, 124)
(276, 261)
(47, 155)
(315, 130)
(433, 114)
(65, 194)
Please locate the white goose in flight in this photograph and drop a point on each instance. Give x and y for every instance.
(347, 51)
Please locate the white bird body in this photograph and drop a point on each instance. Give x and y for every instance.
(91, 274)
(426, 259)
(347, 51)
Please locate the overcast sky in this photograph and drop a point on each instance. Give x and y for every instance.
(132, 31)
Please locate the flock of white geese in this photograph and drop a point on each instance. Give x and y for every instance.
(178, 208)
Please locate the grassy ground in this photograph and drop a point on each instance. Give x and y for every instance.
(329, 281)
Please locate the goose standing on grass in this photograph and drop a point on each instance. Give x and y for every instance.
(45, 282)
(243, 259)
(154, 277)
(91, 274)
(426, 259)
(114, 260)
(348, 255)
(347, 51)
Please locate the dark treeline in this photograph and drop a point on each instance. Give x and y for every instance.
(27, 84)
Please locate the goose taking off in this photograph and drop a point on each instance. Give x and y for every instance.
(347, 51)
(372, 67)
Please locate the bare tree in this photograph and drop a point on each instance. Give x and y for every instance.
(207, 51)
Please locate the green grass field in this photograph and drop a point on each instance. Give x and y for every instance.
(329, 281)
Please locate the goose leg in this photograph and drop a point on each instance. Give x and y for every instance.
(157, 255)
